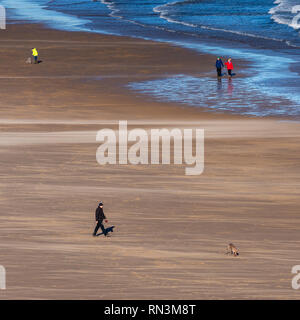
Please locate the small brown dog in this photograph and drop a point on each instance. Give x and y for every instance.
(232, 249)
(28, 61)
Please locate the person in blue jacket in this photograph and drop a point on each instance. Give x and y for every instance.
(219, 66)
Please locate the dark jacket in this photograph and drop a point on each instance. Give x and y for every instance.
(219, 64)
(100, 214)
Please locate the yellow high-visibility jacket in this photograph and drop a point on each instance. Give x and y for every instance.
(34, 52)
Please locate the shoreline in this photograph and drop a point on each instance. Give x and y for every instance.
(245, 69)
(78, 40)
(171, 230)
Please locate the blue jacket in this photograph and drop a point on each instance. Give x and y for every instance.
(219, 64)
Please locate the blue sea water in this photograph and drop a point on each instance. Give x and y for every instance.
(265, 32)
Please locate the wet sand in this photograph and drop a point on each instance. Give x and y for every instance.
(171, 230)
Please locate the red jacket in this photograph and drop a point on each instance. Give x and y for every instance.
(229, 65)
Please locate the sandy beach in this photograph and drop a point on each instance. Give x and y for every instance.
(171, 229)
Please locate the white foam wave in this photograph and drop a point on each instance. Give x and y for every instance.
(115, 12)
(163, 11)
(286, 12)
(111, 6)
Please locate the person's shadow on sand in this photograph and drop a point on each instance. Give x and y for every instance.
(108, 230)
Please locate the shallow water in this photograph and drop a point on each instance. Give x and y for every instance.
(229, 95)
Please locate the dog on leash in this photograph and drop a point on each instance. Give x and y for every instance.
(232, 249)
(28, 61)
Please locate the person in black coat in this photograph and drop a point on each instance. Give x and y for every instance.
(100, 216)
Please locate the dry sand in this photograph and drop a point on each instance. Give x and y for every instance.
(171, 230)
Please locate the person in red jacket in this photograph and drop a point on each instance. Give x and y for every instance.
(229, 67)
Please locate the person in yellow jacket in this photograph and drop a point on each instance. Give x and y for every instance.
(35, 55)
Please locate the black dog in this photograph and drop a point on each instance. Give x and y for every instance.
(109, 229)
